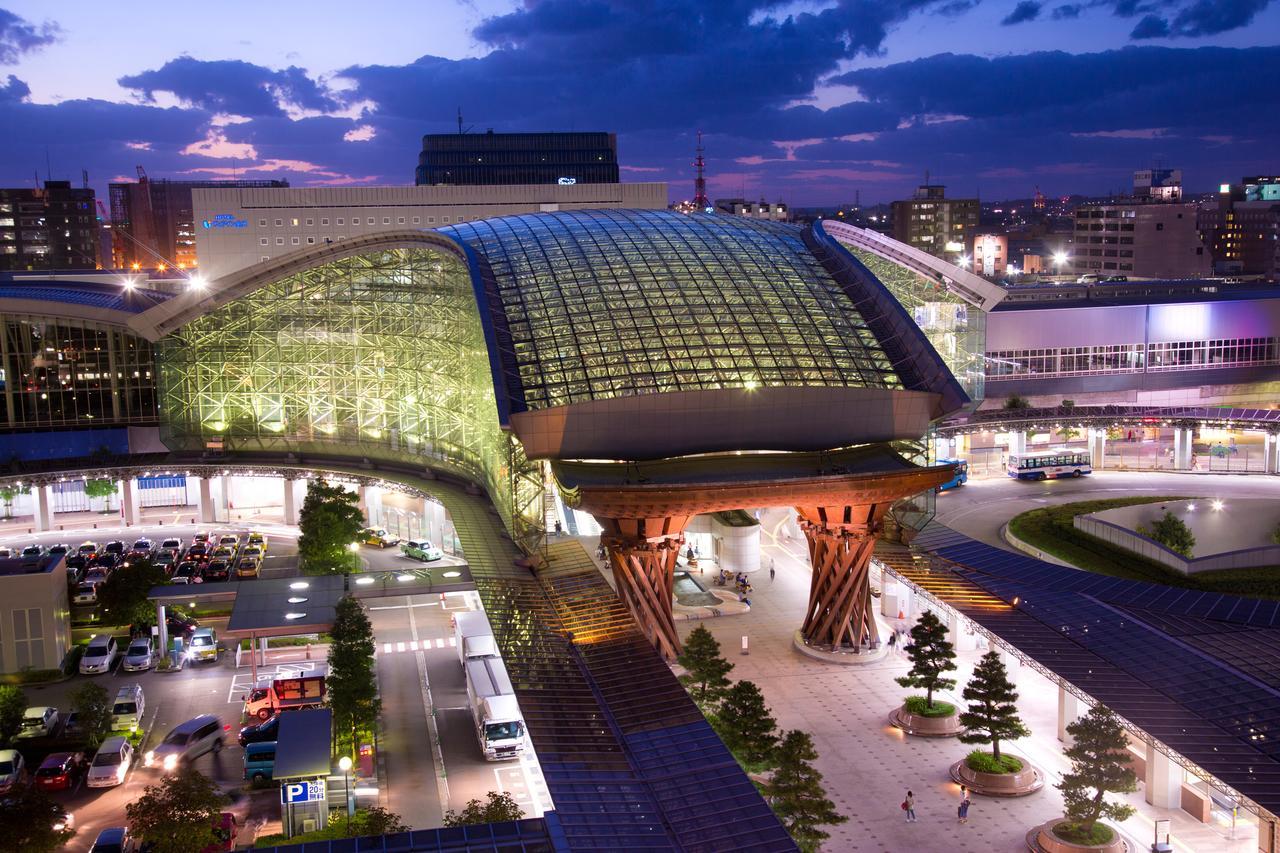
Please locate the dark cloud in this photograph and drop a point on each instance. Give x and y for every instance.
(1025, 11)
(232, 86)
(1150, 27)
(1067, 11)
(18, 37)
(14, 90)
(1210, 17)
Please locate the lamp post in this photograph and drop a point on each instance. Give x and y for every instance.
(344, 764)
(1059, 259)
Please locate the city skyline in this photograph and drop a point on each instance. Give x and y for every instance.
(804, 102)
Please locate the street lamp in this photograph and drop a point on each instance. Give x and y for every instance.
(344, 764)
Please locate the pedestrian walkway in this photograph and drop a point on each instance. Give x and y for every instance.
(869, 765)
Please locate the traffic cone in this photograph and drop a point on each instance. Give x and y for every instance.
(901, 615)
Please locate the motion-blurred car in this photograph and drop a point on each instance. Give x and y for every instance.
(61, 770)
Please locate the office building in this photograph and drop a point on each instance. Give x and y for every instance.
(930, 221)
(253, 226)
(990, 255)
(488, 159)
(54, 227)
(1138, 240)
(36, 631)
(1242, 229)
(154, 224)
(762, 209)
(1158, 184)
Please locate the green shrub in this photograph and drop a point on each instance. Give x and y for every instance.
(1067, 831)
(918, 706)
(981, 761)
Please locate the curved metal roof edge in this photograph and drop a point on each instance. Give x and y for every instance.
(907, 347)
(68, 310)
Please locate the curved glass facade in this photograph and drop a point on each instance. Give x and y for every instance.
(379, 355)
(609, 303)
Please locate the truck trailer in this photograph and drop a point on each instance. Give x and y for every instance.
(494, 710)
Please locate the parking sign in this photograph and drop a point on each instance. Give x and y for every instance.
(302, 792)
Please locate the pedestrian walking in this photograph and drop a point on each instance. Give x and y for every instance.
(893, 640)
(558, 527)
(963, 810)
(772, 571)
(909, 806)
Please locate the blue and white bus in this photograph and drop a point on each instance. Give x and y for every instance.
(1043, 464)
(960, 477)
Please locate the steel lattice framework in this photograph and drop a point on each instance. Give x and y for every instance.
(378, 355)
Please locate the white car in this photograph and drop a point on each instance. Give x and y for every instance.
(39, 722)
(87, 592)
(100, 656)
(110, 764)
(12, 769)
(140, 656)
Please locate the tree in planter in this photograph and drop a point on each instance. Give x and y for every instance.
(747, 727)
(1171, 532)
(353, 692)
(101, 488)
(1099, 765)
(993, 710)
(796, 794)
(498, 807)
(1014, 401)
(13, 705)
(329, 522)
(706, 668)
(92, 704)
(931, 655)
(122, 597)
(9, 493)
(178, 813)
(27, 822)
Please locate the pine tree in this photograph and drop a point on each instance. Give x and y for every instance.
(931, 655)
(746, 726)
(993, 710)
(352, 689)
(329, 522)
(706, 668)
(1099, 765)
(796, 794)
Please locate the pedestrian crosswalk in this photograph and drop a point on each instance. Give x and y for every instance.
(419, 645)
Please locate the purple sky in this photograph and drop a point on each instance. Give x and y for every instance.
(802, 101)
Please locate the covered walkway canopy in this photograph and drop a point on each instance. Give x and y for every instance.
(1006, 420)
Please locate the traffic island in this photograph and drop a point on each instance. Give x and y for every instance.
(1049, 838)
(980, 777)
(916, 718)
(846, 657)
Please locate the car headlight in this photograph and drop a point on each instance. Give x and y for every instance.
(149, 758)
(170, 762)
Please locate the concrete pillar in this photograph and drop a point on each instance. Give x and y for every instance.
(164, 629)
(1097, 448)
(889, 599)
(432, 515)
(205, 507)
(222, 511)
(131, 502)
(1182, 437)
(1068, 713)
(362, 501)
(1018, 442)
(1163, 780)
(942, 448)
(290, 502)
(1270, 452)
(43, 507)
(1012, 665)
(957, 635)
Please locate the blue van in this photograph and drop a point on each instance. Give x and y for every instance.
(259, 761)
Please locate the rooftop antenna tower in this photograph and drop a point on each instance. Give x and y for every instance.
(700, 200)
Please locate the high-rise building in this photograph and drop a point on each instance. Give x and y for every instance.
(1158, 184)
(153, 223)
(762, 209)
(1242, 230)
(469, 159)
(1139, 240)
(990, 255)
(934, 223)
(54, 227)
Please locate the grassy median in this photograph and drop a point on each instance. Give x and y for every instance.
(1050, 529)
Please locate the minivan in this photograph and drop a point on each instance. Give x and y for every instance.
(187, 742)
(259, 761)
(126, 713)
(204, 645)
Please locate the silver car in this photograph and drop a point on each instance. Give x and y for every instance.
(100, 655)
(140, 656)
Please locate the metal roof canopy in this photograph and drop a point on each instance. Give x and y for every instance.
(303, 748)
(1002, 420)
(267, 607)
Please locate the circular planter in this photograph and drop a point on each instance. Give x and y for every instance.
(1028, 780)
(914, 724)
(1042, 840)
(852, 657)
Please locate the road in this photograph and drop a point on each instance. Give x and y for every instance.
(982, 506)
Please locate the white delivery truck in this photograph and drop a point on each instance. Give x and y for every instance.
(499, 724)
(474, 636)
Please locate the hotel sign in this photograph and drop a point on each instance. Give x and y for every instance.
(225, 220)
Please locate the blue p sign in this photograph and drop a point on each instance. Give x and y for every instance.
(302, 792)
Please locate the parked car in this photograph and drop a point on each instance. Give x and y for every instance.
(217, 570)
(32, 553)
(110, 763)
(378, 536)
(259, 732)
(100, 655)
(421, 549)
(171, 545)
(96, 575)
(88, 550)
(254, 551)
(259, 761)
(204, 645)
(165, 559)
(179, 625)
(71, 725)
(115, 546)
(86, 592)
(127, 711)
(225, 829)
(61, 770)
(5, 552)
(222, 552)
(13, 770)
(229, 540)
(38, 722)
(76, 563)
(59, 549)
(187, 742)
(141, 654)
(247, 567)
(201, 538)
(114, 839)
(142, 548)
(188, 572)
(256, 538)
(107, 561)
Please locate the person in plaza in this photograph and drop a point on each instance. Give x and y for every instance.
(772, 571)
(963, 810)
(893, 639)
(558, 527)
(909, 805)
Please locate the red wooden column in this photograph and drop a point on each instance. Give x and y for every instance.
(841, 540)
(642, 553)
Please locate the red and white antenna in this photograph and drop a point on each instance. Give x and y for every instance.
(700, 200)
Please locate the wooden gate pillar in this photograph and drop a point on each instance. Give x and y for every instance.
(642, 553)
(840, 614)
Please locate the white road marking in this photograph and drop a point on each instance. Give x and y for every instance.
(399, 647)
(453, 642)
(439, 642)
(386, 648)
(442, 780)
(413, 646)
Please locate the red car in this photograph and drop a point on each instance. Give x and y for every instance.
(61, 771)
(226, 828)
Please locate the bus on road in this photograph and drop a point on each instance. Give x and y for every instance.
(960, 477)
(1043, 464)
